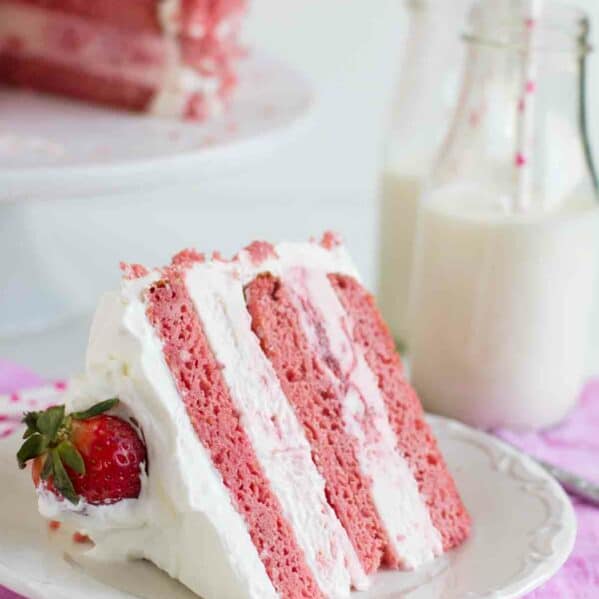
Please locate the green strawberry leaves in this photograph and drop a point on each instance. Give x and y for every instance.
(34, 446)
(96, 410)
(62, 482)
(47, 469)
(49, 421)
(30, 419)
(48, 434)
(70, 455)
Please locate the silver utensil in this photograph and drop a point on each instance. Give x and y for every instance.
(574, 484)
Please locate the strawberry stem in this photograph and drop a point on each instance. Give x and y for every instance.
(96, 410)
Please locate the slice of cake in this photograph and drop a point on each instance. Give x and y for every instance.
(284, 453)
(166, 57)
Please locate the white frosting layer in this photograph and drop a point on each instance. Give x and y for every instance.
(178, 81)
(394, 490)
(270, 422)
(184, 520)
(169, 16)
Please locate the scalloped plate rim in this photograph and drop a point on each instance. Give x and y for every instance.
(447, 431)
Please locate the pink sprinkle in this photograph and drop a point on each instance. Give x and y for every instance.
(15, 397)
(7, 433)
(530, 23)
(31, 402)
(521, 105)
(60, 385)
(531, 87)
(520, 160)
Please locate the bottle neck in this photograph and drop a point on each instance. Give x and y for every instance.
(428, 82)
(520, 126)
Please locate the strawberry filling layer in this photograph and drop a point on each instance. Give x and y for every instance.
(216, 421)
(412, 538)
(302, 375)
(414, 437)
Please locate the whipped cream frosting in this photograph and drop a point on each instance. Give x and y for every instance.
(268, 418)
(178, 81)
(184, 520)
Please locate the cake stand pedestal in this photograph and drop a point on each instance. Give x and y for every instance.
(51, 148)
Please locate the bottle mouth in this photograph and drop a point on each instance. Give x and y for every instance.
(526, 25)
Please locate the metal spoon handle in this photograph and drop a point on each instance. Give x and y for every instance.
(574, 484)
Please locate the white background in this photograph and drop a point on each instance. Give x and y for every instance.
(327, 178)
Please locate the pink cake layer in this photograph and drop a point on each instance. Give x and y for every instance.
(142, 14)
(74, 82)
(302, 375)
(414, 437)
(217, 423)
(138, 15)
(114, 52)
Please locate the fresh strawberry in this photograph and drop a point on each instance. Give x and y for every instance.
(90, 455)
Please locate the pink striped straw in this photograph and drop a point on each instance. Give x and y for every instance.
(526, 112)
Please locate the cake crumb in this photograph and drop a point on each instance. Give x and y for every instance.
(79, 537)
(330, 240)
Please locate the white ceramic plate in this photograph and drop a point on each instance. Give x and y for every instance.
(53, 147)
(524, 529)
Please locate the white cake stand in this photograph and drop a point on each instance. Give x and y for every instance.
(53, 148)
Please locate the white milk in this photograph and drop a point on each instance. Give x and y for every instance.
(501, 308)
(399, 208)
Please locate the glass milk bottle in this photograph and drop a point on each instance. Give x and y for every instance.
(506, 251)
(427, 95)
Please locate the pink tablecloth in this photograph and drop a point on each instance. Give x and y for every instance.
(573, 445)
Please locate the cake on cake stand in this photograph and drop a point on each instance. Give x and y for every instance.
(51, 148)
